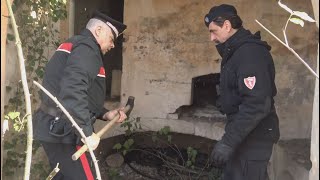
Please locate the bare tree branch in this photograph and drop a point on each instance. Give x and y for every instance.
(74, 124)
(290, 49)
(26, 95)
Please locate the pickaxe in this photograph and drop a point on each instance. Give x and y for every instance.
(128, 108)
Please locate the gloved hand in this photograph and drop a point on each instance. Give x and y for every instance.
(220, 154)
(111, 114)
(93, 141)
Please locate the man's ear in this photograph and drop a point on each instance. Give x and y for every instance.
(97, 31)
(228, 25)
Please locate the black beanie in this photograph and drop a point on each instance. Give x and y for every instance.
(223, 10)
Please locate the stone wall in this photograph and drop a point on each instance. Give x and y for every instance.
(167, 44)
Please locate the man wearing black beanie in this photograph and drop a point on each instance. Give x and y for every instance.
(247, 89)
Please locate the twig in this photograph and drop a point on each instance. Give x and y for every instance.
(175, 148)
(73, 124)
(202, 170)
(184, 169)
(141, 173)
(290, 49)
(284, 31)
(27, 167)
(160, 157)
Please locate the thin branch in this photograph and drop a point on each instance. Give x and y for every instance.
(175, 148)
(160, 157)
(27, 167)
(285, 29)
(290, 49)
(74, 124)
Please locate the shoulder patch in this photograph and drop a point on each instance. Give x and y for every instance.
(65, 47)
(250, 82)
(102, 72)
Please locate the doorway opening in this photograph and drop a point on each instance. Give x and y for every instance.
(113, 59)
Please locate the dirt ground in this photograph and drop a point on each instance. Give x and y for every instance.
(142, 163)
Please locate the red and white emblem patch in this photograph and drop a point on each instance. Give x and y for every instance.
(102, 72)
(250, 82)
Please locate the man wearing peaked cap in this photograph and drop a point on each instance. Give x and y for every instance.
(247, 90)
(75, 75)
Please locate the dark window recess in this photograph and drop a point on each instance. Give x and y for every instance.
(205, 90)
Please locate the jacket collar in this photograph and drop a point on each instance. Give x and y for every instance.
(227, 48)
(88, 33)
(230, 43)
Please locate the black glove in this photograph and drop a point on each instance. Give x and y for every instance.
(220, 154)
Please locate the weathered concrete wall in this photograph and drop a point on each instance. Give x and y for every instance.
(167, 45)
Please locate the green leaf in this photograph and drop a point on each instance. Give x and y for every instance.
(165, 130)
(16, 126)
(13, 115)
(117, 146)
(303, 16)
(128, 143)
(297, 21)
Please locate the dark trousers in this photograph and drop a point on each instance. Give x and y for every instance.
(69, 169)
(249, 162)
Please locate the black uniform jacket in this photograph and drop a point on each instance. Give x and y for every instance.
(247, 89)
(75, 75)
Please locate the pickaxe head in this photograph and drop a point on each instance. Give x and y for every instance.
(130, 104)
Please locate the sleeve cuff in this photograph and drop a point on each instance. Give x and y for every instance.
(104, 110)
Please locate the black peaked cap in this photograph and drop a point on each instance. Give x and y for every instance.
(116, 26)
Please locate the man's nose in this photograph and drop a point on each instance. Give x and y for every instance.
(213, 37)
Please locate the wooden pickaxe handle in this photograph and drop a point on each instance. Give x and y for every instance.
(127, 110)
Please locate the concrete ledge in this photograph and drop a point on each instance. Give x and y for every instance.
(203, 128)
